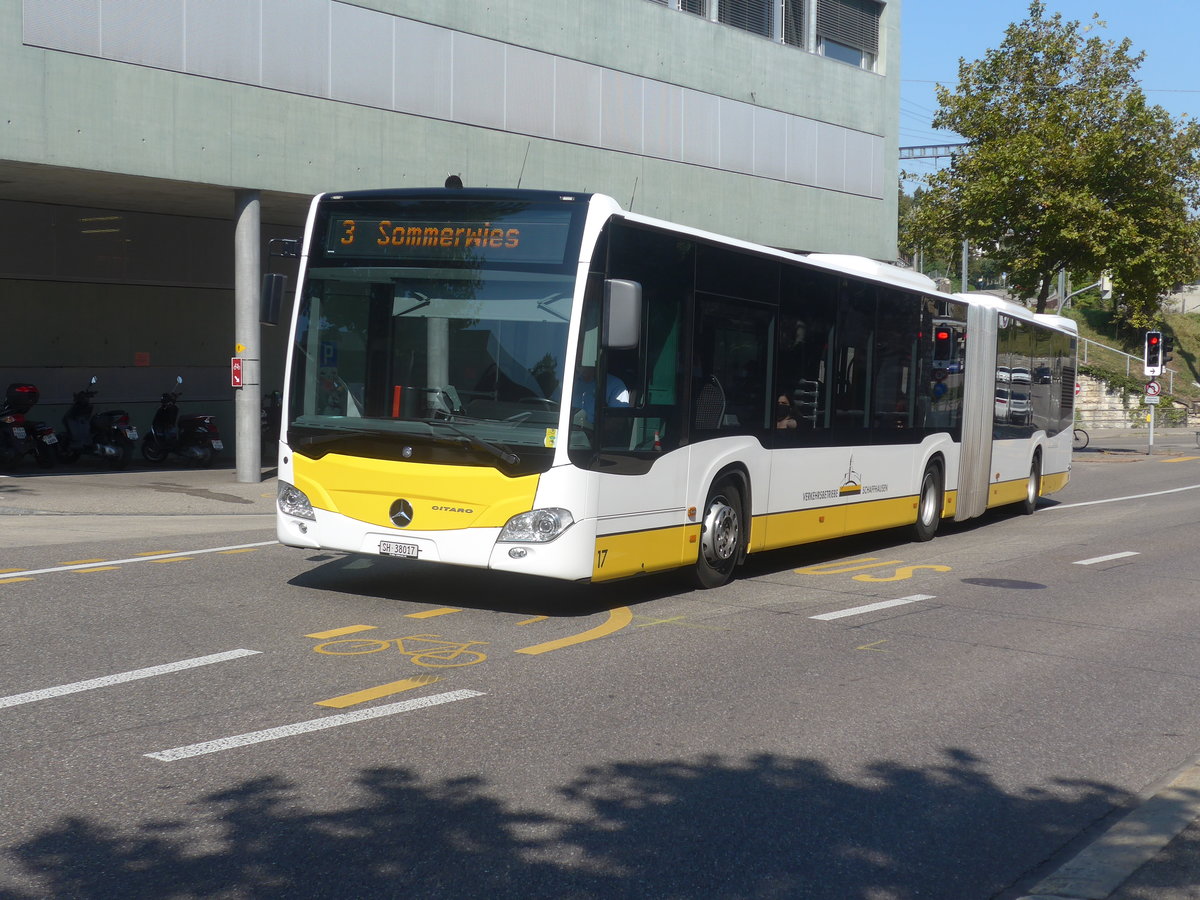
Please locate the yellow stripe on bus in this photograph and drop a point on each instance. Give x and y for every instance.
(638, 552)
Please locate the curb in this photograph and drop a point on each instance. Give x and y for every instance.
(1101, 867)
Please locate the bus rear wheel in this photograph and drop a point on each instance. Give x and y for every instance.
(722, 533)
(929, 505)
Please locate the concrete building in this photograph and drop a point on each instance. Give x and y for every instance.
(150, 148)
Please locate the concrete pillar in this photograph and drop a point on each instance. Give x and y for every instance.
(247, 274)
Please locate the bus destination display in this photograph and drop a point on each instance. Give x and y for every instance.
(522, 239)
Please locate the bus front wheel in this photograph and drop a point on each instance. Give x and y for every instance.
(1033, 487)
(929, 505)
(722, 533)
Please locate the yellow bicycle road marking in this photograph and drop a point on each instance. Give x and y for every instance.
(532, 621)
(338, 632)
(849, 565)
(617, 619)
(383, 690)
(901, 573)
(1181, 459)
(430, 613)
(14, 580)
(75, 562)
(97, 569)
(170, 559)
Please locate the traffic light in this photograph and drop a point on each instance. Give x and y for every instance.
(1154, 353)
(943, 343)
(1167, 346)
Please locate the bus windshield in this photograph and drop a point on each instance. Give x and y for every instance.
(439, 351)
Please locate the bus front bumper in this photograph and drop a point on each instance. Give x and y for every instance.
(569, 556)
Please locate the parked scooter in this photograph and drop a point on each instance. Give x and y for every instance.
(108, 435)
(194, 437)
(20, 437)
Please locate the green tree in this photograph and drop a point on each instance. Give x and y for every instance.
(1066, 167)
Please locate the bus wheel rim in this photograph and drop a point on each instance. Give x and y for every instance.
(720, 532)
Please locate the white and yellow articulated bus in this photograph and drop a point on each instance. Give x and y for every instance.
(543, 383)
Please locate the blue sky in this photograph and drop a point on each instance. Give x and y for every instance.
(934, 34)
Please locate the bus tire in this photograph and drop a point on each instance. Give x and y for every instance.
(929, 504)
(722, 535)
(1033, 487)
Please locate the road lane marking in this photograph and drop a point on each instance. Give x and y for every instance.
(138, 559)
(617, 619)
(1190, 487)
(430, 613)
(1100, 559)
(97, 569)
(283, 731)
(120, 678)
(338, 632)
(872, 607)
(81, 562)
(534, 620)
(383, 690)
(1182, 459)
(13, 580)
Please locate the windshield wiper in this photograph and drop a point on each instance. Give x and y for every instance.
(341, 434)
(478, 443)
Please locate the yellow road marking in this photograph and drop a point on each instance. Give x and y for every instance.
(850, 565)
(151, 553)
(76, 562)
(1181, 459)
(617, 619)
(241, 550)
(173, 559)
(430, 613)
(338, 632)
(874, 646)
(98, 569)
(658, 622)
(532, 621)
(901, 573)
(383, 690)
(2, 571)
(13, 580)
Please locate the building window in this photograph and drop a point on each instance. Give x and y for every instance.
(794, 30)
(848, 30)
(755, 16)
(845, 30)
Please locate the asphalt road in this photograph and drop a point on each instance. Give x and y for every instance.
(195, 711)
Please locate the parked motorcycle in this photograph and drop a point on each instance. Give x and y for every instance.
(108, 435)
(195, 437)
(20, 437)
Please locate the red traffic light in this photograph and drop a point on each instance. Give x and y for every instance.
(1152, 339)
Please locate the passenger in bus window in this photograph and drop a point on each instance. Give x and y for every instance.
(785, 415)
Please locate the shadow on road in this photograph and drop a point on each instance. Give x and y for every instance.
(763, 826)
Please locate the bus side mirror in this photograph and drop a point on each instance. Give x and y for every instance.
(274, 285)
(622, 314)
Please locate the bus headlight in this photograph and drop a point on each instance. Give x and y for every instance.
(538, 526)
(294, 502)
